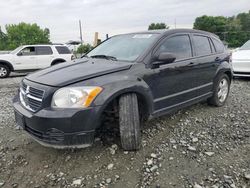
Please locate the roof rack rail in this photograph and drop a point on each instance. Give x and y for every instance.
(57, 44)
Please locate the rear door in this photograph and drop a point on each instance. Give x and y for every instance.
(207, 59)
(64, 53)
(44, 56)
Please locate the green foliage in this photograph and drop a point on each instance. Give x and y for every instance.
(84, 48)
(3, 40)
(212, 24)
(22, 34)
(234, 30)
(155, 26)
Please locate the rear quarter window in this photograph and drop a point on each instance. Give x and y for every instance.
(219, 46)
(63, 50)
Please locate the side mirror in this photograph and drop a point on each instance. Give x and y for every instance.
(19, 54)
(164, 58)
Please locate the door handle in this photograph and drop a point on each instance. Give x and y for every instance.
(191, 64)
(217, 59)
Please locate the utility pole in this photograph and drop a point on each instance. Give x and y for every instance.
(80, 27)
(175, 23)
(96, 39)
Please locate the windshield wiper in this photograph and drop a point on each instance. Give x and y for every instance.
(104, 57)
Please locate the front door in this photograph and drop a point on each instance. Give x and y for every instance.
(26, 59)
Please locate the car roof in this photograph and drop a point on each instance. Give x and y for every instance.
(174, 31)
(33, 45)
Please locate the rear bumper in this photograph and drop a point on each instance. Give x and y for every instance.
(64, 128)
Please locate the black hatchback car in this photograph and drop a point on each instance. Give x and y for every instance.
(134, 77)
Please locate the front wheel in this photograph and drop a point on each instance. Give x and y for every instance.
(129, 121)
(221, 91)
(4, 71)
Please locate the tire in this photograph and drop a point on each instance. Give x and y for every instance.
(4, 71)
(220, 91)
(129, 121)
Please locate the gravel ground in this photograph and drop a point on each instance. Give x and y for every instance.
(200, 146)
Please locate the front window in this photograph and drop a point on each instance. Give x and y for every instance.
(28, 51)
(179, 45)
(246, 46)
(124, 47)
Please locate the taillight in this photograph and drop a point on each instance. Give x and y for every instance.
(230, 57)
(73, 57)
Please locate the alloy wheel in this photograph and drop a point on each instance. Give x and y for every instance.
(223, 90)
(3, 72)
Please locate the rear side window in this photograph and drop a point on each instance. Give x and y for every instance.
(43, 50)
(63, 50)
(219, 46)
(202, 45)
(179, 45)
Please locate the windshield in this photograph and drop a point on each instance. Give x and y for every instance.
(246, 46)
(124, 47)
(16, 50)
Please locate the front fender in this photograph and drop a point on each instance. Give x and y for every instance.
(119, 87)
(7, 63)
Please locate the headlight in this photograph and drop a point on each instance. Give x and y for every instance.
(75, 97)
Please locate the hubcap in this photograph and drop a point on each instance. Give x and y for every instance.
(3, 72)
(223, 90)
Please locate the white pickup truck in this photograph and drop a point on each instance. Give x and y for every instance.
(33, 57)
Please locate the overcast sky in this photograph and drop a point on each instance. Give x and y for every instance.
(111, 16)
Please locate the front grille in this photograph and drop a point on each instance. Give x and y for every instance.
(30, 97)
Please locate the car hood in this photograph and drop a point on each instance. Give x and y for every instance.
(83, 69)
(241, 54)
(5, 56)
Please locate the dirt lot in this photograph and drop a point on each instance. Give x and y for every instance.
(201, 146)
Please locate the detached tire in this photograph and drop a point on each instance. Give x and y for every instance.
(220, 91)
(129, 120)
(4, 71)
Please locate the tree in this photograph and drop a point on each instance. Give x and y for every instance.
(244, 19)
(212, 24)
(3, 40)
(155, 26)
(84, 48)
(23, 33)
(234, 30)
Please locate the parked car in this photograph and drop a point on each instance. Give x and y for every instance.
(241, 61)
(33, 57)
(134, 77)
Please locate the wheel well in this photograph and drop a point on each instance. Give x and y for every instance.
(7, 64)
(58, 61)
(113, 106)
(229, 74)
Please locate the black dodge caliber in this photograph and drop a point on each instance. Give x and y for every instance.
(133, 77)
